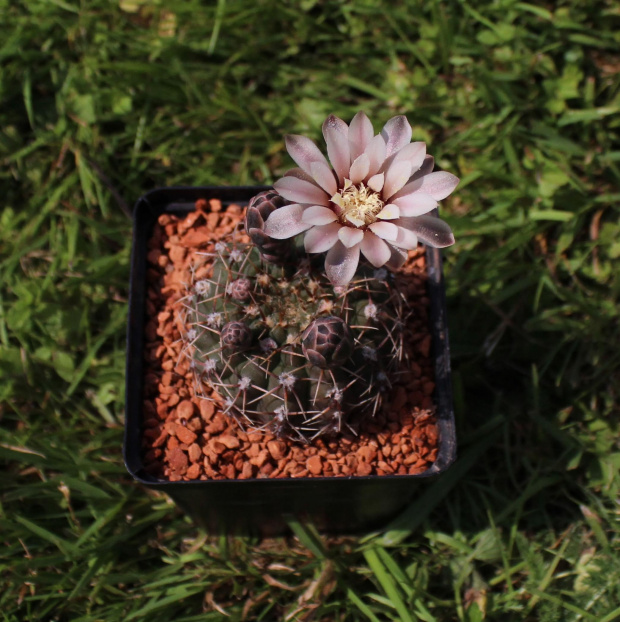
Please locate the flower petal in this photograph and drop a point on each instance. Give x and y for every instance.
(405, 239)
(321, 239)
(414, 153)
(286, 222)
(415, 204)
(304, 151)
(300, 174)
(356, 222)
(425, 169)
(375, 249)
(396, 177)
(341, 263)
(376, 154)
(397, 258)
(389, 212)
(336, 133)
(430, 230)
(376, 182)
(301, 191)
(318, 215)
(385, 230)
(359, 169)
(438, 185)
(324, 176)
(360, 134)
(350, 236)
(396, 133)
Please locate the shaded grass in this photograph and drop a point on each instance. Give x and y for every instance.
(103, 101)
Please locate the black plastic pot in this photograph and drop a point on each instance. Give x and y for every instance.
(334, 504)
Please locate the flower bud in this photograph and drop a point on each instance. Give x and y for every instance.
(327, 342)
(235, 336)
(258, 210)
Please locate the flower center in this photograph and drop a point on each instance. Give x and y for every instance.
(359, 205)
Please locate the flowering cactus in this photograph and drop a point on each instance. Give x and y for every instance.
(290, 347)
(375, 200)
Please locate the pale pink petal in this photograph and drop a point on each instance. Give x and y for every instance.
(438, 185)
(337, 199)
(300, 191)
(397, 259)
(376, 154)
(321, 239)
(410, 188)
(318, 215)
(324, 176)
(430, 230)
(356, 222)
(415, 204)
(375, 249)
(286, 222)
(396, 177)
(350, 236)
(414, 153)
(376, 182)
(389, 212)
(359, 169)
(396, 133)
(385, 230)
(336, 133)
(405, 239)
(303, 151)
(341, 263)
(300, 174)
(360, 134)
(425, 169)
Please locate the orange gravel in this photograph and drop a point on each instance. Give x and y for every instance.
(189, 438)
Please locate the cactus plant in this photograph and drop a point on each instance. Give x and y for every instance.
(288, 352)
(295, 348)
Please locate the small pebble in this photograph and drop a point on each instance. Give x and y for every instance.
(314, 465)
(185, 435)
(177, 459)
(276, 449)
(229, 441)
(185, 410)
(207, 409)
(195, 453)
(399, 399)
(193, 471)
(363, 469)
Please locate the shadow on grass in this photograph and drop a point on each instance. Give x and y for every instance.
(522, 463)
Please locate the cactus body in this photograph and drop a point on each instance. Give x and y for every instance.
(286, 350)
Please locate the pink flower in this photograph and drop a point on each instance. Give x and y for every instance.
(375, 200)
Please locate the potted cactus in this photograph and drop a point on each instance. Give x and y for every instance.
(294, 354)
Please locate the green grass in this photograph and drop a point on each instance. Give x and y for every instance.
(101, 101)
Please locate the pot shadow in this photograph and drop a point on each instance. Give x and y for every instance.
(522, 458)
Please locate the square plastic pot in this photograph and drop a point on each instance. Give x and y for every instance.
(263, 506)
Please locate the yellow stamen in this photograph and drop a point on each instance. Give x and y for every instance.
(359, 205)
